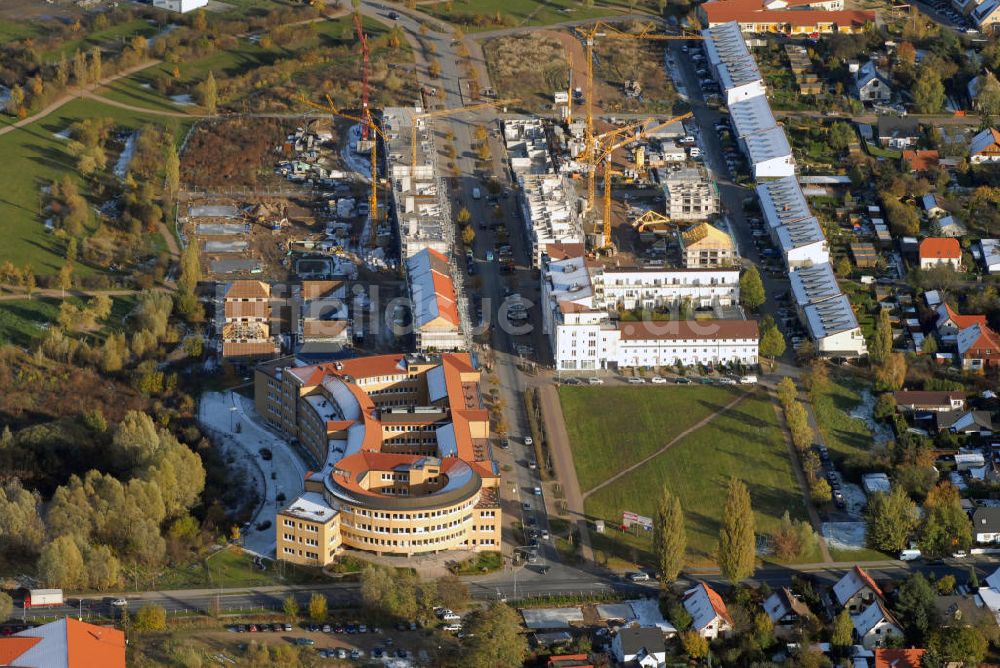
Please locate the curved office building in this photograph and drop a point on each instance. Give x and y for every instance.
(405, 445)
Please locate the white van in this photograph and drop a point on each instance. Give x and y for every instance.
(748, 380)
(909, 555)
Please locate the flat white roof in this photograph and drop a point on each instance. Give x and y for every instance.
(782, 201)
(800, 233)
(767, 145)
(728, 53)
(310, 506)
(811, 285)
(752, 115)
(830, 317)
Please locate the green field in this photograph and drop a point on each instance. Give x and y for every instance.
(598, 418)
(23, 322)
(526, 12)
(33, 157)
(746, 442)
(11, 31)
(110, 37)
(845, 436)
(230, 568)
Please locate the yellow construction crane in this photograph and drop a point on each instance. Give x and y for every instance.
(604, 30)
(368, 120)
(606, 156)
(448, 112)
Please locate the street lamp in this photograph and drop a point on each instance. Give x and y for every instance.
(232, 417)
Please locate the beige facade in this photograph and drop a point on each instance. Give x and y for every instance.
(404, 447)
(707, 247)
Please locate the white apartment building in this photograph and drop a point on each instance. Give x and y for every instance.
(731, 63)
(769, 154)
(551, 212)
(654, 288)
(527, 147)
(580, 296)
(802, 243)
(834, 328)
(180, 6)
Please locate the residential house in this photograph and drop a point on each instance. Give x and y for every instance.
(938, 402)
(870, 85)
(920, 162)
(638, 646)
(978, 348)
(965, 422)
(949, 323)
(875, 626)
(705, 246)
(898, 658)
(929, 203)
(856, 590)
(948, 226)
(67, 643)
(940, 252)
(985, 147)
(986, 15)
(792, 17)
(786, 610)
(991, 255)
(986, 525)
(898, 132)
(709, 614)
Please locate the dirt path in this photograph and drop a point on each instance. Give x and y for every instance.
(800, 476)
(562, 461)
(695, 427)
(142, 110)
(69, 97)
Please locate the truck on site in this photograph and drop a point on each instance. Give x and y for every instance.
(43, 598)
(476, 193)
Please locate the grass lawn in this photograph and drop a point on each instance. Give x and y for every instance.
(33, 158)
(859, 556)
(844, 435)
(11, 31)
(523, 12)
(612, 428)
(230, 568)
(484, 562)
(746, 442)
(110, 36)
(23, 322)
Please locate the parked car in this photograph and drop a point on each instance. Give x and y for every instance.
(595, 381)
(638, 576)
(658, 380)
(637, 381)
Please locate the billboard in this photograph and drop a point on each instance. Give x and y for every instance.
(630, 519)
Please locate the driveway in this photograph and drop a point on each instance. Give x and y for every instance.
(231, 420)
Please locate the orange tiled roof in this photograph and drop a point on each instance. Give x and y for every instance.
(13, 647)
(963, 321)
(753, 11)
(898, 658)
(921, 161)
(942, 248)
(717, 603)
(867, 579)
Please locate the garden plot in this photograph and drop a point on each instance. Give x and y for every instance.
(226, 246)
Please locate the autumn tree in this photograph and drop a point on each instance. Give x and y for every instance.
(495, 639)
(928, 90)
(737, 541)
(150, 617)
(60, 564)
(21, 526)
(94, 71)
(452, 592)
(890, 518)
(6, 606)
(291, 608)
(669, 537)
(317, 608)
(752, 294)
(694, 645)
(882, 341)
(843, 630)
(946, 527)
(209, 93)
(772, 343)
(80, 68)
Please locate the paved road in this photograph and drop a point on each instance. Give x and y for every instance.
(523, 583)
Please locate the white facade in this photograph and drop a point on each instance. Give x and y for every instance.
(802, 243)
(731, 63)
(834, 328)
(769, 154)
(180, 6)
(578, 302)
